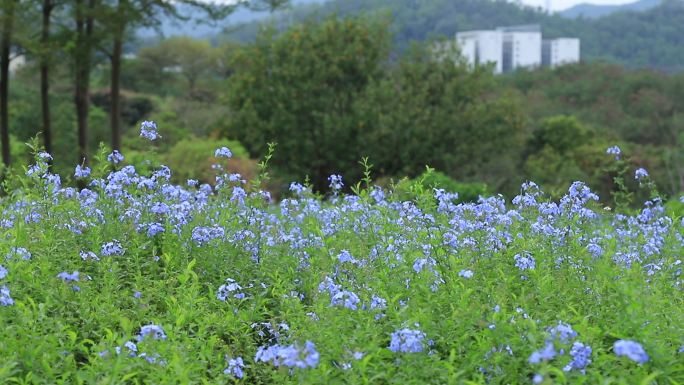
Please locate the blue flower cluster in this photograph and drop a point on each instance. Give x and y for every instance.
(632, 350)
(375, 258)
(407, 341)
(291, 356)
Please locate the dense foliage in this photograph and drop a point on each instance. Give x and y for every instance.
(327, 95)
(646, 39)
(330, 93)
(137, 280)
(584, 108)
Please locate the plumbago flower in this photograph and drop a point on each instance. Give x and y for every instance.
(407, 341)
(5, 298)
(466, 273)
(69, 277)
(614, 150)
(81, 171)
(292, 356)
(346, 299)
(148, 130)
(632, 350)
(235, 366)
(640, 174)
(335, 183)
(226, 290)
(524, 261)
(19, 252)
(223, 152)
(112, 248)
(154, 331)
(562, 334)
(115, 157)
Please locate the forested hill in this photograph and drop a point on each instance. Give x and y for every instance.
(592, 11)
(648, 39)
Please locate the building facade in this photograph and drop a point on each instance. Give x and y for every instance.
(516, 47)
(561, 51)
(522, 47)
(482, 47)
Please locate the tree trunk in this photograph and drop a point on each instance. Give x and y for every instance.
(84, 35)
(115, 88)
(45, 76)
(5, 43)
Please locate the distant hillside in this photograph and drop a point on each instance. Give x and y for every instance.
(653, 38)
(198, 27)
(593, 11)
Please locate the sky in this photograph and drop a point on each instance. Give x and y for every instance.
(559, 5)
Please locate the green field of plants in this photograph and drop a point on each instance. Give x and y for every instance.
(134, 280)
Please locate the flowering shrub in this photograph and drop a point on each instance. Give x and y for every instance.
(214, 284)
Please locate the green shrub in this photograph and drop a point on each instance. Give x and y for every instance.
(192, 158)
(422, 187)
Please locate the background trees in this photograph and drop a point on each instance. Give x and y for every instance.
(330, 92)
(302, 89)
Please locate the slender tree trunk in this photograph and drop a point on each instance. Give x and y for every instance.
(45, 76)
(84, 34)
(115, 88)
(5, 43)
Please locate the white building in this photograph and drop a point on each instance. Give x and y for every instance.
(482, 47)
(561, 51)
(522, 47)
(516, 47)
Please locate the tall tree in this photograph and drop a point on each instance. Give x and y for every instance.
(8, 14)
(84, 13)
(47, 8)
(128, 13)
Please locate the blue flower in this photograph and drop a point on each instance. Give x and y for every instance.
(594, 249)
(524, 262)
(226, 290)
(640, 174)
(291, 356)
(202, 235)
(345, 298)
(86, 255)
(148, 130)
(112, 248)
(297, 188)
(465, 273)
(19, 252)
(155, 331)
(545, 354)
(378, 303)
(44, 156)
(132, 349)
(345, 256)
(3, 272)
(562, 332)
(69, 277)
(407, 341)
(335, 183)
(115, 157)
(223, 152)
(81, 171)
(631, 349)
(5, 298)
(614, 150)
(154, 229)
(581, 355)
(235, 366)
